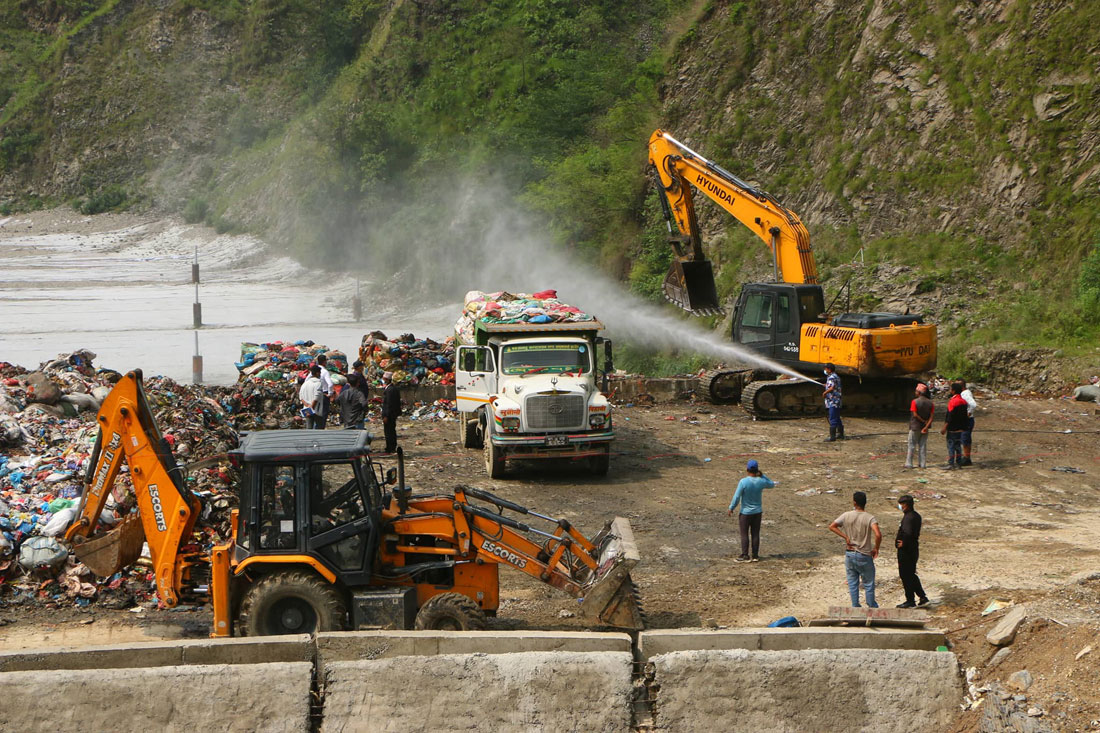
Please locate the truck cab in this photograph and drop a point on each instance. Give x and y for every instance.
(531, 392)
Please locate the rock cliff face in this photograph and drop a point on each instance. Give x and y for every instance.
(944, 153)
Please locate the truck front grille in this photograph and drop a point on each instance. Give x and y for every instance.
(555, 411)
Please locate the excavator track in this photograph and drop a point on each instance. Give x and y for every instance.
(723, 386)
(789, 398)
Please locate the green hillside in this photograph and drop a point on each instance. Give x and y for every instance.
(944, 155)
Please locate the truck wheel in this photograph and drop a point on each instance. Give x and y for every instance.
(494, 461)
(291, 602)
(468, 430)
(450, 612)
(598, 465)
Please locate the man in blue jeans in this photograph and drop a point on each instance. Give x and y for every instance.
(862, 538)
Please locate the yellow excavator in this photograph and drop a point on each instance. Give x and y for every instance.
(876, 354)
(324, 540)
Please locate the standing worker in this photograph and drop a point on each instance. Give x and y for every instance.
(352, 403)
(310, 396)
(326, 390)
(862, 538)
(955, 426)
(921, 410)
(832, 403)
(908, 544)
(749, 494)
(967, 436)
(391, 408)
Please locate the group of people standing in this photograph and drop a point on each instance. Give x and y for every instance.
(857, 527)
(958, 426)
(317, 391)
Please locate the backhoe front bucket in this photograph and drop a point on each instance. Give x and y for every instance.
(611, 597)
(119, 548)
(690, 285)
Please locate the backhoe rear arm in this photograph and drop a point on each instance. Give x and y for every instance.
(167, 510)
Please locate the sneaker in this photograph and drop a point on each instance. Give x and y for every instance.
(742, 558)
(907, 604)
(949, 467)
(755, 558)
(906, 466)
(966, 462)
(924, 601)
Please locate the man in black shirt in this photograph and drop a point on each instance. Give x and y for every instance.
(352, 403)
(908, 544)
(391, 407)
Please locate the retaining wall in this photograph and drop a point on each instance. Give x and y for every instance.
(741, 679)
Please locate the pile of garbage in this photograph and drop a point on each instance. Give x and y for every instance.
(438, 410)
(286, 360)
(409, 360)
(48, 433)
(503, 307)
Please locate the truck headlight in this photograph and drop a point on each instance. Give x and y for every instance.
(509, 423)
(597, 420)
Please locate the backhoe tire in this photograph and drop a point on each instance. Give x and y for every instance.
(291, 602)
(494, 460)
(450, 612)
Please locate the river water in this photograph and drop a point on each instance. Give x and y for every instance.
(121, 287)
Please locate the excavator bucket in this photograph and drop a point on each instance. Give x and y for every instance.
(611, 596)
(690, 285)
(119, 548)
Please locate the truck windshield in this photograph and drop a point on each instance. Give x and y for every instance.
(545, 359)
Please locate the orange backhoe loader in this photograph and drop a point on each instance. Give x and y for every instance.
(319, 543)
(876, 354)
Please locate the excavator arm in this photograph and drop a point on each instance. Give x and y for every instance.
(690, 282)
(596, 570)
(167, 511)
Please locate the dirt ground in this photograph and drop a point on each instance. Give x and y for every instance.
(1016, 526)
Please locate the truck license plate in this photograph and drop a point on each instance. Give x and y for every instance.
(557, 440)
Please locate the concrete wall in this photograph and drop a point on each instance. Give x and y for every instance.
(653, 643)
(251, 697)
(556, 692)
(819, 689)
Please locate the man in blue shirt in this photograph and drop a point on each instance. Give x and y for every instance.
(832, 403)
(749, 493)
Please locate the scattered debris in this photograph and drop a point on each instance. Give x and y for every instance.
(1067, 469)
(1004, 632)
(995, 606)
(1021, 680)
(1082, 653)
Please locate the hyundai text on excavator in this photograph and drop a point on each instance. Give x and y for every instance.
(876, 354)
(319, 543)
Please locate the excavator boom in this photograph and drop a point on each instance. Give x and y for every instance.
(690, 281)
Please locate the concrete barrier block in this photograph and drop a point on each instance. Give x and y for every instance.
(653, 643)
(240, 697)
(254, 650)
(494, 693)
(881, 690)
(250, 650)
(355, 645)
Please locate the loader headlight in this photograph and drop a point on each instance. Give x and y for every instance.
(509, 423)
(596, 420)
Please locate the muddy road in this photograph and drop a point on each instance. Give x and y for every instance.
(1015, 520)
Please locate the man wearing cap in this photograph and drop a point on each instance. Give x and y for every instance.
(749, 495)
(920, 419)
(832, 403)
(391, 407)
(908, 544)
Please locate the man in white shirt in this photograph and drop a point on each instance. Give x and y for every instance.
(311, 397)
(971, 406)
(326, 390)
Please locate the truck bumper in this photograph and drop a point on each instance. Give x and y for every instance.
(577, 445)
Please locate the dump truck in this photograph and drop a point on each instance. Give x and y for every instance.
(877, 355)
(324, 539)
(531, 391)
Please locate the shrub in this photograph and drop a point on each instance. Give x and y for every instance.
(108, 198)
